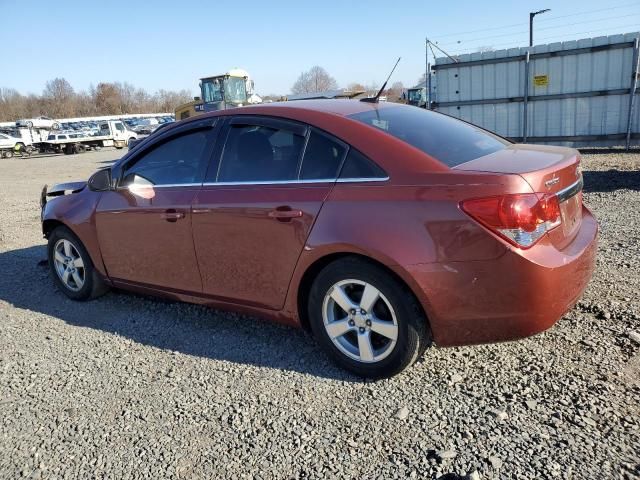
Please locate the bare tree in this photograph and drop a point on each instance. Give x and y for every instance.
(396, 90)
(59, 100)
(315, 80)
(108, 99)
(57, 96)
(356, 87)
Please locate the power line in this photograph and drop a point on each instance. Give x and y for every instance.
(632, 14)
(553, 18)
(511, 44)
(537, 29)
(612, 7)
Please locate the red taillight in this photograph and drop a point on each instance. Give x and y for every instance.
(521, 219)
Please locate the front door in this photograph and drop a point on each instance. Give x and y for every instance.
(252, 218)
(144, 227)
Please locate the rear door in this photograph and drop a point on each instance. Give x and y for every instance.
(253, 215)
(144, 227)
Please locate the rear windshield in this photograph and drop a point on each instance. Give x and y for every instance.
(446, 139)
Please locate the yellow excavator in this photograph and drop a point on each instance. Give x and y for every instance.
(229, 90)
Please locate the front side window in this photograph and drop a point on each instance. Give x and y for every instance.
(235, 90)
(212, 91)
(256, 153)
(322, 158)
(177, 161)
(415, 96)
(444, 138)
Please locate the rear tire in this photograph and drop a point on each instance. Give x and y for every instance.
(366, 320)
(71, 267)
(7, 154)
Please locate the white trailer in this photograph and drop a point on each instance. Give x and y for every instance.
(111, 133)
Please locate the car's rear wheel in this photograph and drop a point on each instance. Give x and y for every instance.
(366, 320)
(71, 267)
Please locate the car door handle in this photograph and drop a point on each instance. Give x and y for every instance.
(285, 214)
(172, 215)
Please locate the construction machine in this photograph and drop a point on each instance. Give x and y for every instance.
(219, 92)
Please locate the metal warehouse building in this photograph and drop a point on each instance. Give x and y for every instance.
(577, 93)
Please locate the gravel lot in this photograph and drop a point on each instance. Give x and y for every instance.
(132, 387)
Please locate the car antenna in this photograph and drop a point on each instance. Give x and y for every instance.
(377, 97)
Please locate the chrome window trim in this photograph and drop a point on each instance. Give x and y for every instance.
(294, 182)
(271, 182)
(363, 179)
(166, 185)
(568, 192)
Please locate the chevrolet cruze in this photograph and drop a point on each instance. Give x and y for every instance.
(381, 228)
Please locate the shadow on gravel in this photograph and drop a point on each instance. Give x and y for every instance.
(174, 326)
(610, 180)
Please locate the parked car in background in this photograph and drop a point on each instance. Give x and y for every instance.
(38, 122)
(10, 145)
(379, 227)
(146, 126)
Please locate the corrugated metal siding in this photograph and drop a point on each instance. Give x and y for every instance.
(567, 74)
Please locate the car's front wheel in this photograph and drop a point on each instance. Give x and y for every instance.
(366, 320)
(71, 266)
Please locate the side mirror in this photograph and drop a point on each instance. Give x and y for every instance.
(100, 181)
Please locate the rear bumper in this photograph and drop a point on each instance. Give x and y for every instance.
(519, 294)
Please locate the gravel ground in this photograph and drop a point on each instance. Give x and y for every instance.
(132, 387)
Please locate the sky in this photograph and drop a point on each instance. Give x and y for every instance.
(169, 45)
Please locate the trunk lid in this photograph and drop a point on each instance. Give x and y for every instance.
(547, 169)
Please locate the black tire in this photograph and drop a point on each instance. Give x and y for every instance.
(8, 154)
(413, 332)
(93, 286)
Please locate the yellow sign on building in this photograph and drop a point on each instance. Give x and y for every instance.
(541, 80)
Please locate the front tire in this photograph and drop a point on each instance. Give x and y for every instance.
(365, 319)
(71, 267)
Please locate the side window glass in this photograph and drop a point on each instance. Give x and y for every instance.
(174, 162)
(322, 158)
(255, 153)
(357, 165)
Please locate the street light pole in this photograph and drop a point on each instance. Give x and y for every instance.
(531, 15)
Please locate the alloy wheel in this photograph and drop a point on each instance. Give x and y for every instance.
(360, 321)
(69, 265)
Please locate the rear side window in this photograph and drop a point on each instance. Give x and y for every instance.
(322, 158)
(446, 139)
(256, 153)
(358, 166)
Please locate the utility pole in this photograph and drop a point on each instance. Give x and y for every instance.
(426, 74)
(531, 15)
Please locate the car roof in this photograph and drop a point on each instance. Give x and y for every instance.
(332, 117)
(342, 107)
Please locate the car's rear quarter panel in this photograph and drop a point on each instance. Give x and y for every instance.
(413, 226)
